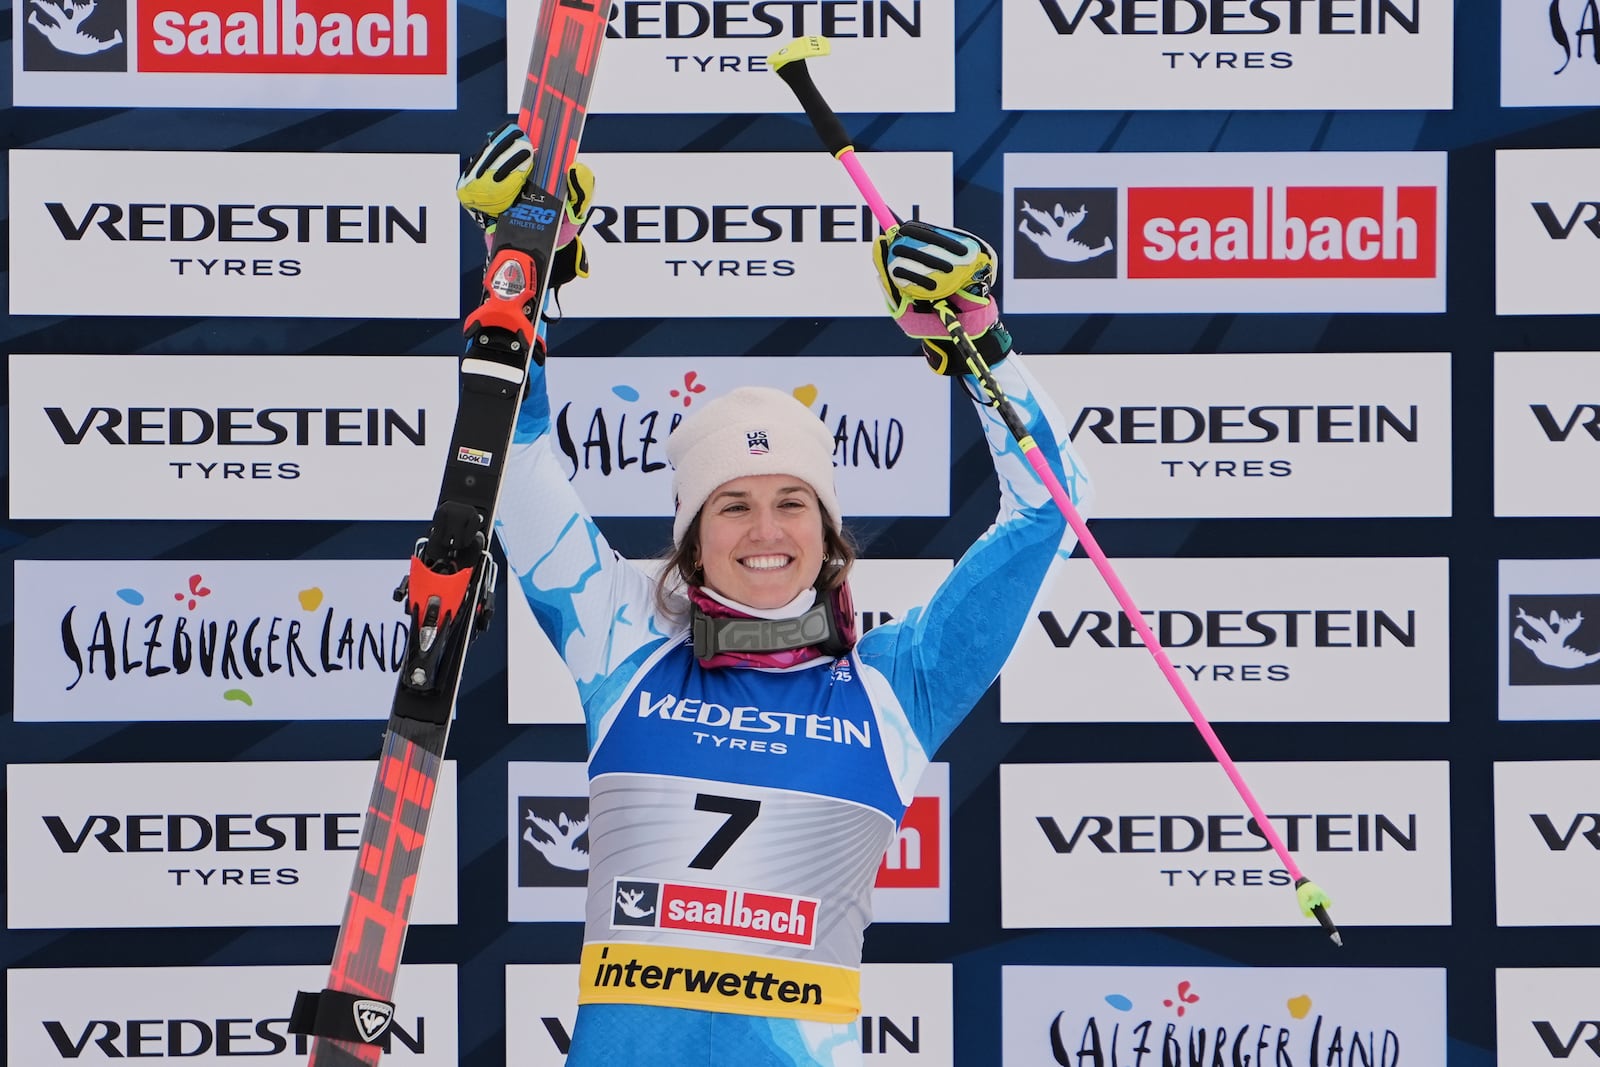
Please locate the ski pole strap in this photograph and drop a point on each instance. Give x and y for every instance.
(342, 1016)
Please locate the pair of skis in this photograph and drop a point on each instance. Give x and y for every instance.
(449, 591)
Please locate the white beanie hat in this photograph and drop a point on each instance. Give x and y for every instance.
(752, 430)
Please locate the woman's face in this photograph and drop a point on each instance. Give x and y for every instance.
(761, 539)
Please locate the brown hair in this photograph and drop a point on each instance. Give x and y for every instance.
(680, 568)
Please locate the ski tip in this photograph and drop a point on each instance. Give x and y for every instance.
(799, 50)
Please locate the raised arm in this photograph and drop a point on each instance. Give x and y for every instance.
(597, 608)
(940, 658)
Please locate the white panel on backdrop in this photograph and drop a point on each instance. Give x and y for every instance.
(1255, 640)
(1546, 433)
(1546, 842)
(906, 1013)
(1170, 844)
(890, 420)
(1089, 233)
(207, 1016)
(191, 641)
(913, 882)
(547, 859)
(1124, 55)
(1547, 231)
(1546, 1015)
(202, 844)
(547, 825)
(1545, 59)
(1259, 435)
(541, 690)
(229, 437)
(259, 234)
(700, 57)
(729, 234)
(281, 54)
(1549, 632)
(1280, 1016)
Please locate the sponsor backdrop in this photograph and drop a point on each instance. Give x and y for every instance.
(1312, 283)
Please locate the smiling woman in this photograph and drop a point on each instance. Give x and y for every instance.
(749, 756)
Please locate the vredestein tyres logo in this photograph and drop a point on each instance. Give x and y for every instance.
(1169, 839)
(743, 233)
(1547, 840)
(196, 233)
(1185, 54)
(235, 437)
(710, 56)
(1546, 1016)
(1257, 640)
(203, 844)
(1546, 420)
(206, 1014)
(1259, 434)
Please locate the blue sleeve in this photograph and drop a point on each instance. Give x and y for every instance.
(940, 658)
(597, 609)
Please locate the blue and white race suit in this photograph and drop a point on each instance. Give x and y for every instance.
(738, 815)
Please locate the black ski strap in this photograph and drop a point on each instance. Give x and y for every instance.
(342, 1016)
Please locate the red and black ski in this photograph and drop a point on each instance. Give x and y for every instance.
(449, 592)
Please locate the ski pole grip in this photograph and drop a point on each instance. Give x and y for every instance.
(823, 120)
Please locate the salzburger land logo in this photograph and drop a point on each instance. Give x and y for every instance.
(631, 432)
(1193, 1016)
(611, 420)
(776, 918)
(214, 640)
